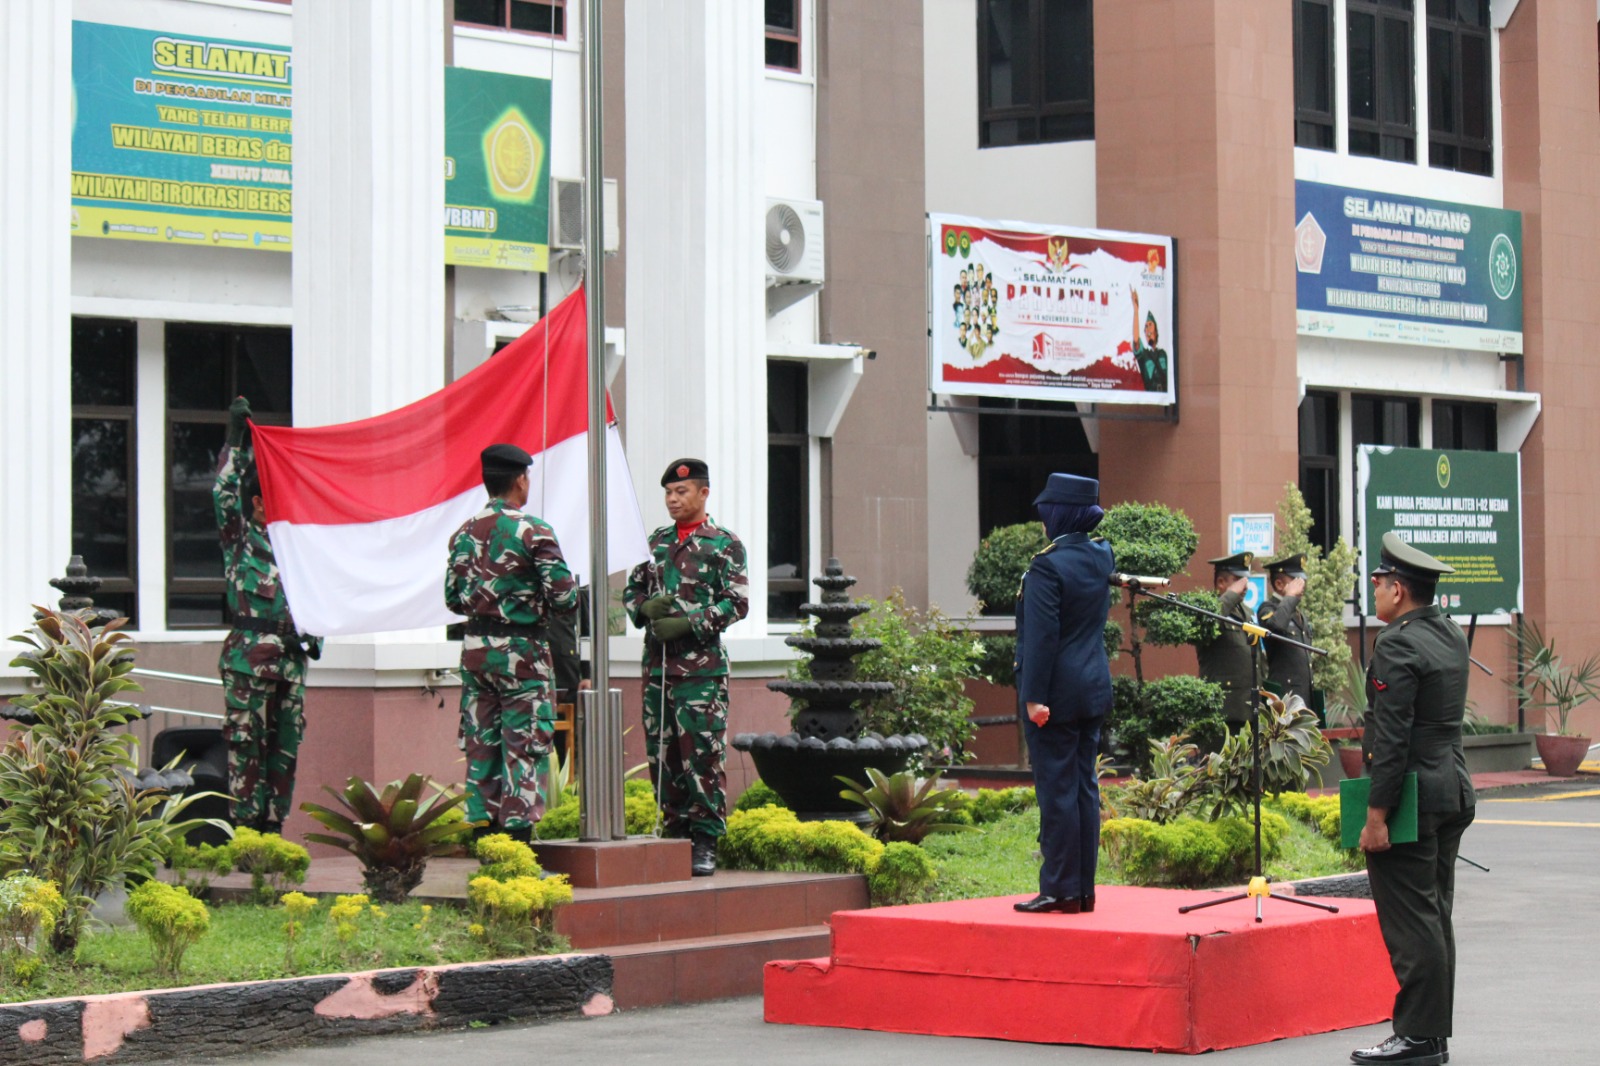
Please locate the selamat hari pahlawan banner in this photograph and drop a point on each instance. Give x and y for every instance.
(1037, 312)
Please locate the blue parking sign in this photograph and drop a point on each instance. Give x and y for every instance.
(1252, 533)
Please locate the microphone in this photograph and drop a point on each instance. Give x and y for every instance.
(1137, 581)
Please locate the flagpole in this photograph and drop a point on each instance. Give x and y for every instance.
(602, 814)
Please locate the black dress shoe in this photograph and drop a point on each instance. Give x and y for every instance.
(1086, 903)
(1048, 905)
(1411, 1050)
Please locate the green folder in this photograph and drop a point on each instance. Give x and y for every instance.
(1353, 795)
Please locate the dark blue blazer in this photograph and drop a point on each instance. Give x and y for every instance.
(1061, 615)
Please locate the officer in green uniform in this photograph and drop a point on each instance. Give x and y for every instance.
(508, 577)
(263, 661)
(693, 587)
(1287, 666)
(1229, 660)
(1416, 697)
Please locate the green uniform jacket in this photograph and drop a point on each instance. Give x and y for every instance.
(1287, 665)
(255, 588)
(1416, 697)
(1229, 661)
(505, 566)
(705, 575)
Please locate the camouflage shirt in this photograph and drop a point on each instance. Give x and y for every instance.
(705, 574)
(255, 588)
(507, 567)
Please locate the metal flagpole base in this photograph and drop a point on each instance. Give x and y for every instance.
(601, 812)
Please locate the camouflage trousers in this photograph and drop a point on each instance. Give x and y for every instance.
(507, 724)
(686, 748)
(266, 720)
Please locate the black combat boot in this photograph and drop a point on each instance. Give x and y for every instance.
(704, 863)
(522, 834)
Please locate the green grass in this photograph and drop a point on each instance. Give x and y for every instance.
(999, 861)
(246, 943)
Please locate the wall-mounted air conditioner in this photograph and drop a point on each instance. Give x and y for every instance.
(566, 215)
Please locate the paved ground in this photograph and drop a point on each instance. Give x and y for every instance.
(1528, 934)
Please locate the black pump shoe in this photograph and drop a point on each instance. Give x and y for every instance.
(1409, 1050)
(1086, 903)
(1049, 905)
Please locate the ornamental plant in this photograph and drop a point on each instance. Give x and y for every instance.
(1547, 682)
(773, 838)
(346, 913)
(71, 811)
(171, 918)
(904, 807)
(29, 906)
(193, 866)
(560, 821)
(297, 905)
(512, 900)
(928, 660)
(392, 833)
(272, 862)
(1189, 852)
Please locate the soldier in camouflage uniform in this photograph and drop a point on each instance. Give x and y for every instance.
(508, 577)
(263, 662)
(693, 587)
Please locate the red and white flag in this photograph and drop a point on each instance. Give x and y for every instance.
(361, 514)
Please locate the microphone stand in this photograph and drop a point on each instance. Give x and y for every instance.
(1258, 889)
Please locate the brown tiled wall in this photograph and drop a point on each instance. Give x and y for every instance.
(870, 176)
(1194, 138)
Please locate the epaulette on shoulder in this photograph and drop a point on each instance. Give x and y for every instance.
(1046, 550)
(1097, 540)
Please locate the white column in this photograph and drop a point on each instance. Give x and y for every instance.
(696, 315)
(368, 207)
(35, 308)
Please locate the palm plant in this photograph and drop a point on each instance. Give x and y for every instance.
(904, 807)
(392, 833)
(1547, 682)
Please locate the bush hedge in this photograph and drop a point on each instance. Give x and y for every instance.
(773, 838)
(1189, 852)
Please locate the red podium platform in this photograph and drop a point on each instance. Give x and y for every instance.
(1134, 974)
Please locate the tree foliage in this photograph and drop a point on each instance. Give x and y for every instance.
(1329, 583)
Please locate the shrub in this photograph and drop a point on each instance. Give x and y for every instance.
(759, 794)
(29, 906)
(392, 834)
(904, 807)
(1173, 627)
(1189, 853)
(272, 862)
(195, 865)
(171, 918)
(1321, 812)
(345, 913)
(1170, 706)
(70, 810)
(1149, 538)
(928, 661)
(296, 905)
(520, 910)
(773, 838)
(639, 813)
(504, 859)
(990, 805)
(999, 563)
(901, 874)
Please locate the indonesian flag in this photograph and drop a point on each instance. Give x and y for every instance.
(361, 514)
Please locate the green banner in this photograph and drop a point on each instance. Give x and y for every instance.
(1462, 508)
(497, 170)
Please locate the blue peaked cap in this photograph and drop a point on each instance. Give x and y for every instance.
(1070, 489)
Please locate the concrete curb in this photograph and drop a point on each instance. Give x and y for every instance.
(1344, 886)
(208, 1020)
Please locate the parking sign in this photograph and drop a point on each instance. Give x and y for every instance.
(1252, 533)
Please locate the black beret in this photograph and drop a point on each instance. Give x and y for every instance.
(686, 470)
(505, 459)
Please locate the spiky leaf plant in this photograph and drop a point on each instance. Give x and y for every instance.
(904, 807)
(392, 833)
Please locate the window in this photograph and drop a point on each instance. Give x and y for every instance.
(546, 17)
(1460, 123)
(207, 366)
(1392, 420)
(1313, 73)
(1382, 113)
(103, 493)
(1035, 71)
(1319, 465)
(788, 488)
(1017, 453)
(783, 34)
(1471, 427)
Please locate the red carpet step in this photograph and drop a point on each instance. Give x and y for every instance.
(1133, 974)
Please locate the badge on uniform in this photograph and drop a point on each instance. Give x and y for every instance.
(1379, 685)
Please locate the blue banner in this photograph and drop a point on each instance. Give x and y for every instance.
(1405, 270)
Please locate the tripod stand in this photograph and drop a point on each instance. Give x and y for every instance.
(1258, 889)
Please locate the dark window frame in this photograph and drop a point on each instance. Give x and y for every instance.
(1037, 110)
(558, 13)
(1321, 465)
(204, 586)
(800, 442)
(127, 413)
(1314, 127)
(1463, 419)
(1453, 149)
(782, 37)
(1393, 140)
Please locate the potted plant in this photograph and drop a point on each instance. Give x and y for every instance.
(1546, 681)
(1345, 714)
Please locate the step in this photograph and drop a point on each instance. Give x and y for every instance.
(729, 903)
(701, 969)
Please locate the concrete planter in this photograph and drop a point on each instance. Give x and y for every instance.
(211, 1020)
(1498, 751)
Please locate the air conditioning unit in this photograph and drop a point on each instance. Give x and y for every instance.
(794, 243)
(566, 215)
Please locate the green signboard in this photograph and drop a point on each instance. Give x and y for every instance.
(1463, 508)
(497, 170)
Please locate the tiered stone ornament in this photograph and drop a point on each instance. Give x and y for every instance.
(803, 766)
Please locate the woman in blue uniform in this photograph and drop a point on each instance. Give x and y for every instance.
(1064, 688)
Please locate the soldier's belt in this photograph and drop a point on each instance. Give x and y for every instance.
(281, 627)
(489, 627)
